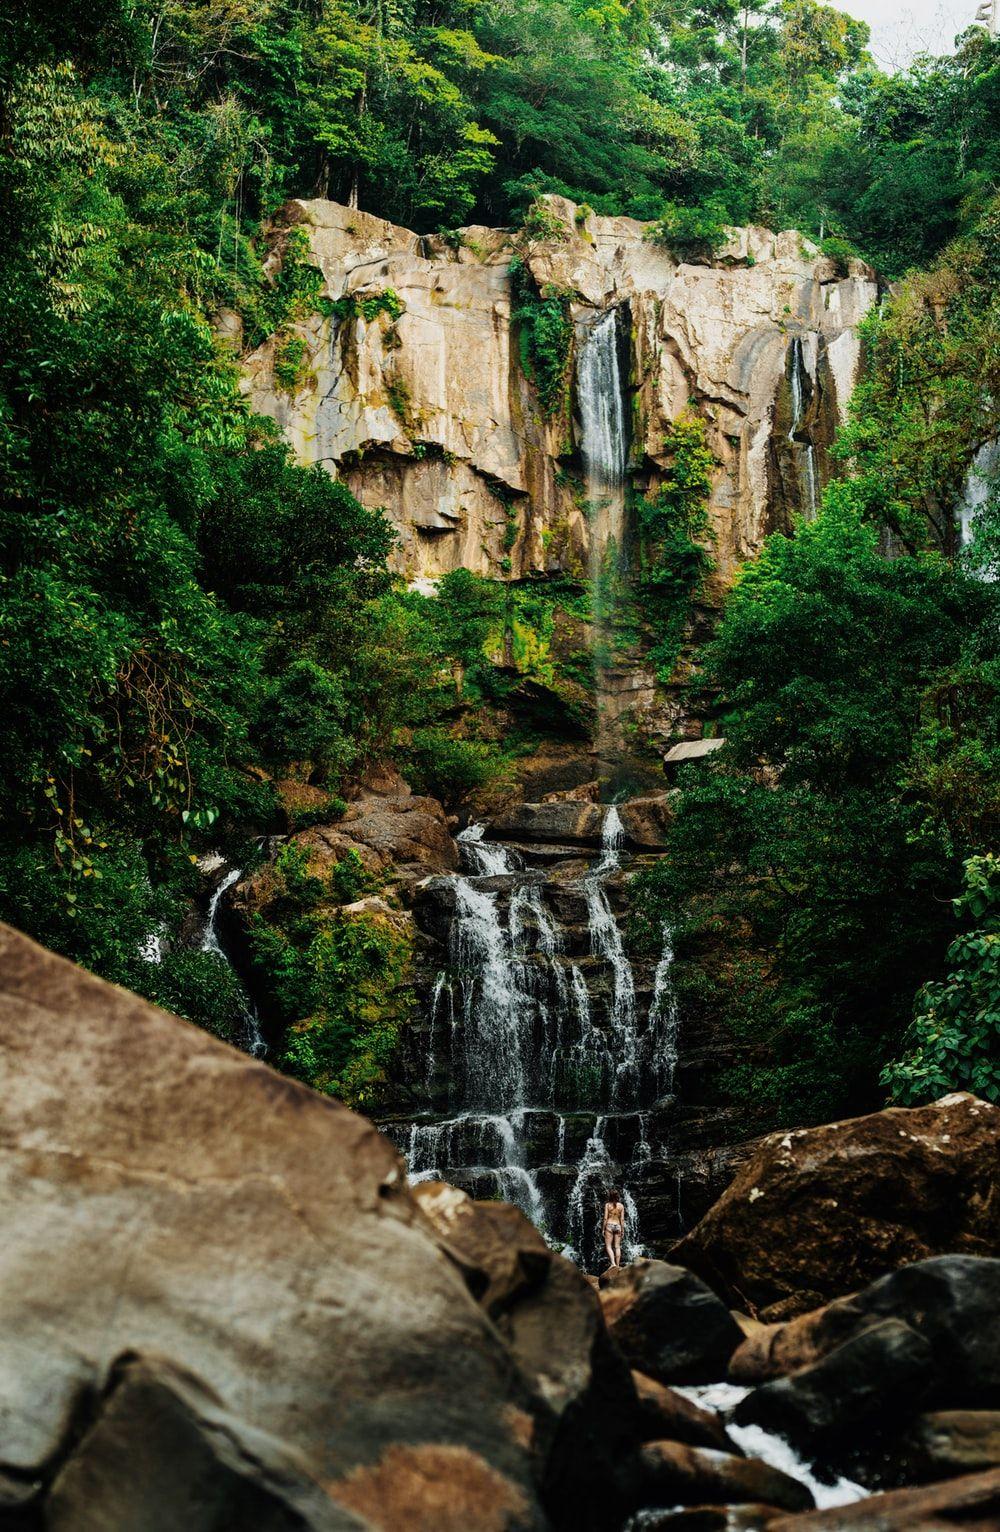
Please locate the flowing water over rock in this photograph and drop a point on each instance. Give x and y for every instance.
(547, 1047)
(600, 402)
(248, 1031)
(829, 1490)
(803, 450)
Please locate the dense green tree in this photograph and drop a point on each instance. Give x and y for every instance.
(802, 843)
(953, 1042)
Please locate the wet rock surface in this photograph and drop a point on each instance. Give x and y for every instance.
(669, 1324)
(675, 1472)
(665, 1414)
(972, 1503)
(819, 1212)
(709, 1518)
(944, 1443)
(877, 1376)
(950, 1301)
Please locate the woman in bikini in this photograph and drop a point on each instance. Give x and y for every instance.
(613, 1226)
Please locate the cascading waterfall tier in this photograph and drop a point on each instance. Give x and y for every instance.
(250, 1037)
(247, 1032)
(802, 370)
(547, 1048)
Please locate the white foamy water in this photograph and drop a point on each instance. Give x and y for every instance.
(770, 1448)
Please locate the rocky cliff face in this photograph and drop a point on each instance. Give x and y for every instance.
(412, 389)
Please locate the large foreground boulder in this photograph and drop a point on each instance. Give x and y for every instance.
(214, 1284)
(820, 1212)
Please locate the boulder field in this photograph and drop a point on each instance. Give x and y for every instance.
(222, 1309)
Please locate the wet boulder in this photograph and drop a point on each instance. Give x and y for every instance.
(971, 1503)
(166, 1198)
(586, 1409)
(951, 1301)
(673, 1473)
(646, 821)
(943, 1443)
(665, 1414)
(875, 1378)
(820, 1212)
(566, 822)
(669, 1324)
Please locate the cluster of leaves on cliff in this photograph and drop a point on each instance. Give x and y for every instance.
(335, 978)
(672, 532)
(545, 336)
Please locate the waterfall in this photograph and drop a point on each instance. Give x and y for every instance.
(606, 943)
(251, 1039)
(664, 1019)
(483, 859)
(600, 402)
(492, 999)
(601, 405)
(556, 1061)
(806, 469)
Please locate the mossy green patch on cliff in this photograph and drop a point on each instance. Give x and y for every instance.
(336, 974)
(369, 305)
(545, 336)
(673, 529)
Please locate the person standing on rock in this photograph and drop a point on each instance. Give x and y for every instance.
(613, 1226)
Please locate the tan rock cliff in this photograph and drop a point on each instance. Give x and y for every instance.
(428, 413)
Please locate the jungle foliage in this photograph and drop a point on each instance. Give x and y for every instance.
(856, 675)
